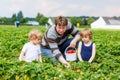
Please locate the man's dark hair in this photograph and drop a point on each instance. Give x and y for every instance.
(61, 21)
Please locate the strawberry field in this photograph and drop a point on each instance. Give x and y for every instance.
(106, 65)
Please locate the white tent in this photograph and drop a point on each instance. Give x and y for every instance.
(51, 21)
(107, 23)
(34, 23)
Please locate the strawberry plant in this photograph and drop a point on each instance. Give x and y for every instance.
(106, 65)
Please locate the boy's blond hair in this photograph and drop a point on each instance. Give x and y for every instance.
(86, 32)
(35, 34)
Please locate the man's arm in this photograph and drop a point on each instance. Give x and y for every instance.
(76, 34)
(74, 41)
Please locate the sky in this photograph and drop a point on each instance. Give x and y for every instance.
(52, 8)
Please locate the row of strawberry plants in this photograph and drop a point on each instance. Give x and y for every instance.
(105, 66)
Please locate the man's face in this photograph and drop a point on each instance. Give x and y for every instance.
(61, 29)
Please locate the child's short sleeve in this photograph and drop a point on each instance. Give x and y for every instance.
(24, 49)
(39, 49)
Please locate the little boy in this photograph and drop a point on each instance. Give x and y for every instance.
(31, 50)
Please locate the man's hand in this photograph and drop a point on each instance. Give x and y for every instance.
(67, 65)
(74, 41)
(73, 44)
(64, 62)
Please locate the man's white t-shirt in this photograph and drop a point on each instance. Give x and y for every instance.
(31, 51)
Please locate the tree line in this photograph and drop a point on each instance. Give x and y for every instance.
(43, 20)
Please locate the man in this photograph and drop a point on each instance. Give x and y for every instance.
(56, 39)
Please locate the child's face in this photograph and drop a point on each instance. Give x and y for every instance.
(61, 29)
(85, 39)
(36, 41)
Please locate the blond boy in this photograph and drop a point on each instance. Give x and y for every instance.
(31, 50)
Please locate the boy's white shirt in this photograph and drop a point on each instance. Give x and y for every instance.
(31, 52)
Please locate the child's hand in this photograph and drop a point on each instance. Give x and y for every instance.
(40, 61)
(21, 58)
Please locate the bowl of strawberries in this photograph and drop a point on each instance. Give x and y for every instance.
(70, 54)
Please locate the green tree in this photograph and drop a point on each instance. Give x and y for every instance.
(23, 20)
(4, 20)
(73, 20)
(90, 20)
(39, 16)
(85, 21)
(43, 20)
(80, 21)
(14, 18)
(0, 20)
(19, 15)
(76, 20)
